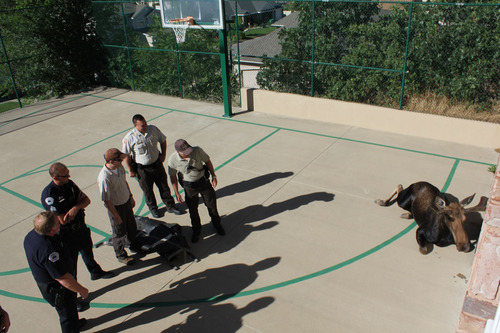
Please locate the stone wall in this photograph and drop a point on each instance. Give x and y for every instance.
(482, 296)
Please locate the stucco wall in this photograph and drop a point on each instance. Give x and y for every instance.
(462, 131)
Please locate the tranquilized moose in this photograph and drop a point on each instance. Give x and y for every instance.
(440, 221)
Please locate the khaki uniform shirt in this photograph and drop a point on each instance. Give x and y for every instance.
(143, 147)
(192, 168)
(113, 186)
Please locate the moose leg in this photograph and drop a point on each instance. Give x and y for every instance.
(424, 246)
(390, 201)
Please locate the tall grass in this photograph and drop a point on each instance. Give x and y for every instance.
(441, 105)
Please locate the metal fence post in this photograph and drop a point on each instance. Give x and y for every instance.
(237, 29)
(10, 71)
(178, 60)
(312, 48)
(406, 56)
(226, 86)
(127, 46)
(224, 65)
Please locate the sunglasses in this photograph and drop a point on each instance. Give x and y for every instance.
(65, 176)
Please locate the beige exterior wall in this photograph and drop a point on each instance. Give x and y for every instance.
(462, 131)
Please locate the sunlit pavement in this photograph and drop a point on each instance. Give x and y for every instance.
(306, 248)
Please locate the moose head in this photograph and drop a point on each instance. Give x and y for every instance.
(454, 216)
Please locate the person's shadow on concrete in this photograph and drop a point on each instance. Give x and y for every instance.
(250, 184)
(220, 318)
(158, 266)
(240, 187)
(198, 292)
(241, 223)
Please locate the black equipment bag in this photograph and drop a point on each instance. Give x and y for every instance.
(165, 239)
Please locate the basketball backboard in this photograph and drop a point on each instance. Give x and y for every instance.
(207, 14)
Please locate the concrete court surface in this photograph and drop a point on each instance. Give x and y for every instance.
(306, 249)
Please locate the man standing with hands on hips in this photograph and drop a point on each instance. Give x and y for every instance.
(145, 162)
(189, 167)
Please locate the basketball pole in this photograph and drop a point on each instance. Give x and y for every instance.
(224, 64)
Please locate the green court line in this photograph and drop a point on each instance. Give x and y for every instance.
(229, 160)
(237, 294)
(291, 130)
(16, 271)
(247, 149)
(67, 155)
(22, 197)
(100, 232)
(274, 286)
(42, 109)
(450, 176)
(39, 205)
(22, 297)
(222, 297)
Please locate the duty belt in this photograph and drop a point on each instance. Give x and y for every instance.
(198, 182)
(141, 166)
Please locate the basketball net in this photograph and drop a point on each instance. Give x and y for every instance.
(180, 27)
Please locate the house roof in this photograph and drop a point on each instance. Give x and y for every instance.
(268, 45)
(289, 21)
(249, 7)
(142, 11)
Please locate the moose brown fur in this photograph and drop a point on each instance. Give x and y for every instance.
(440, 221)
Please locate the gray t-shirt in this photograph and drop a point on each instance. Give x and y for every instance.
(113, 185)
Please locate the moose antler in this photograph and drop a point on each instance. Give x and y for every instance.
(480, 207)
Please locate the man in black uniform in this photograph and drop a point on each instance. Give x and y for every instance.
(51, 271)
(4, 321)
(68, 202)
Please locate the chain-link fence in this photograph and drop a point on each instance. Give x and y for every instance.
(382, 53)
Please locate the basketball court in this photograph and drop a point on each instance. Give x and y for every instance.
(306, 249)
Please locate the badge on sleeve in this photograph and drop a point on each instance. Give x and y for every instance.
(49, 201)
(53, 257)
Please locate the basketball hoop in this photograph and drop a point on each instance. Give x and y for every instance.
(180, 27)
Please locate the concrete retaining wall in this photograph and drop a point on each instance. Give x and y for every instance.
(462, 131)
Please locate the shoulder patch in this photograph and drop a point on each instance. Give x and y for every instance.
(49, 201)
(53, 257)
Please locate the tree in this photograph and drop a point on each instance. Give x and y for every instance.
(59, 39)
(331, 36)
(453, 51)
